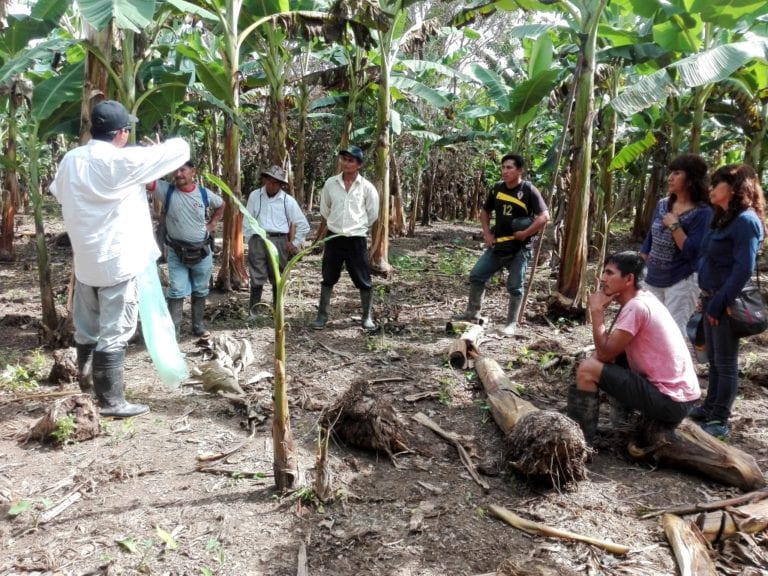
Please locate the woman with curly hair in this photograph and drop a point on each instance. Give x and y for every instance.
(728, 259)
(671, 248)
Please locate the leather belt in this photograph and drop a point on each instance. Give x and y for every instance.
(276, 234)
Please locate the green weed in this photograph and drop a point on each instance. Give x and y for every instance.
(65, 429)
(456, 262)
(17, 378)
(445, 392)
(485, 409)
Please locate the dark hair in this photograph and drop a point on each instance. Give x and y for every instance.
(747, 193)
(189, 163)
(516, 158)
(695, 176)
(629, 262)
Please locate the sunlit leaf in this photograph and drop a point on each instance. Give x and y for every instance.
(646, 91)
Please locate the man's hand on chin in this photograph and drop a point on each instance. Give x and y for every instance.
(599, 301)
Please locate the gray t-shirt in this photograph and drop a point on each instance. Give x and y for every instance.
(186, 218)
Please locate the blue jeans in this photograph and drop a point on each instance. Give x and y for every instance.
(186, 280)
(723, 353)
(490, 263)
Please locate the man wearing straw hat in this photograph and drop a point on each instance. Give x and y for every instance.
(279, 215)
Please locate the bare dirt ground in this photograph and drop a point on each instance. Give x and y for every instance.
(145, 509)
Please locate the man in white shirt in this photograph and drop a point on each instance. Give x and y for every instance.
(100, 187)
(349, 205)
(286, 226)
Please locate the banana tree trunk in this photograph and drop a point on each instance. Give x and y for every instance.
(570, 282)
(232, 274)
(283, 445)
(397, 218)
(379, 252)
(50, 317)
(11, 188)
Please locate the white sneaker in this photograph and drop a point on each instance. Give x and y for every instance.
(510, 329)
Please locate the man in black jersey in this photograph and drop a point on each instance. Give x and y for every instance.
(520, 212)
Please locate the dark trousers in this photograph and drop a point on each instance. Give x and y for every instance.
(723, 353)
(351, 251)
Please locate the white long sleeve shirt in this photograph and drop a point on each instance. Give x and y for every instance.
(275, 215)
(101, 191)
(349, 213)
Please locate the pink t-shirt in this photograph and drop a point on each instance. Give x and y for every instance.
(657, 350)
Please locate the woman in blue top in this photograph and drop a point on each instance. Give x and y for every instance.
(671, 248)
(728, 257)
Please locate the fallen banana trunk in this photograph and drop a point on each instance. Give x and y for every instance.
(688, 447)
(541, 444)
(682, 510)
(689, 546)
(723, 524)
(532, 527)
(464, 348)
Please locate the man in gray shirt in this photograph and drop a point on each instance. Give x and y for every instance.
(188, 230)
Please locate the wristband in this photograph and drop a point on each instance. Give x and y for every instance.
(674, 226)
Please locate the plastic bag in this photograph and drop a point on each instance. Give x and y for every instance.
(158, 331)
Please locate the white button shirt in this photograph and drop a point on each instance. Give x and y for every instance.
(101, 191)
(349, 213)
(275, 214)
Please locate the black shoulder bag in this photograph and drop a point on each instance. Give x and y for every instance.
(747, 312)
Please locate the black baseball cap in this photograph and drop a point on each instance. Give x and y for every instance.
(110, 116)
(353, 151)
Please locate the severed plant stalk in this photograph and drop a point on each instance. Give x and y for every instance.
(532, 527)
(284, 464)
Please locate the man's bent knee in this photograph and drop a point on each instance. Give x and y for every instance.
(588, 374)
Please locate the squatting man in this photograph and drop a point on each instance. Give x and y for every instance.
(642, 361)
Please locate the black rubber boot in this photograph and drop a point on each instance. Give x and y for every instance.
(85, 366)
(366, 299)
(322, 308)
(175, 307)
(256, 292)
(474, 303)
(108, 384)
(583, 408)
(619, 413)
(198, 309)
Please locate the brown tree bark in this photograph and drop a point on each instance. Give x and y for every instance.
(689, 546)
(688, 447)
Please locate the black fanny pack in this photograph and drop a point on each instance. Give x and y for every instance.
(190, 253)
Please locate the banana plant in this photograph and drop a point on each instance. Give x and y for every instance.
(284, 446)
(23, 43)
(52, 108)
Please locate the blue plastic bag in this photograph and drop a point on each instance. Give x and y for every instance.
(158, 331)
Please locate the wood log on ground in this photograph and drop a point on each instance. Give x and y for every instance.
(723, 524)
(541, 444)
(464, 348)
(688, 447)
(690, 548)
